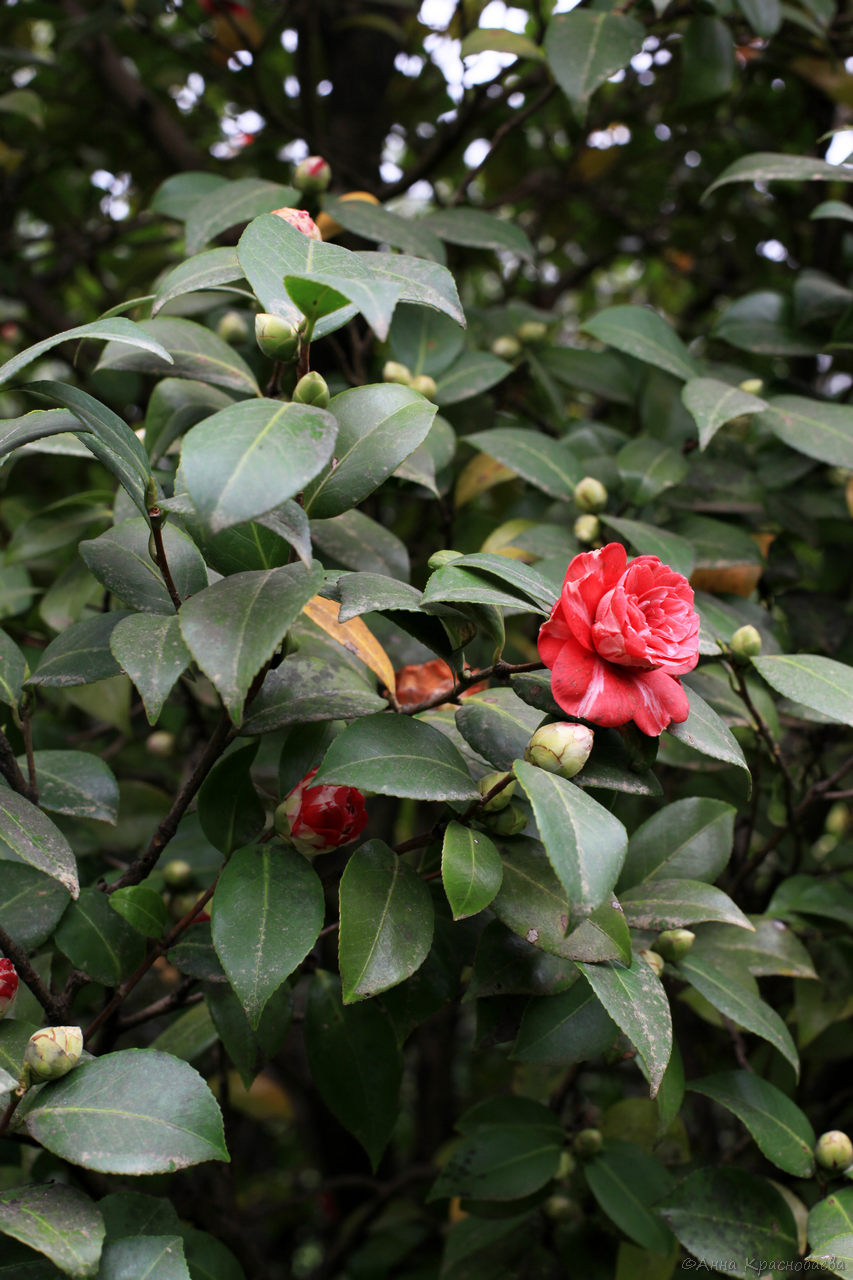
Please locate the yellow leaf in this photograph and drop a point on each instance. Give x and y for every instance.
(354, 636)
(500, 541)
(480, 474)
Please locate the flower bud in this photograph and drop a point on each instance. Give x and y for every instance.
(560, 1208)
(506, 347)
(178, 873)
(424, 385)
(53, 1052)
(315, 819)
(672, 944)
(439, 559)
(503, 797)
(181, 904)
(532, 331)
(312, 388)
(277, 338)
(586, 528)
(8, 986)
(837, 819)
(752, 386)
(232, 328)
(300, 219)
(393, 371)
(655, 961)
(508, 822)
(590, 494)
(587, 1143)
(160, 743)
(312, 175)
(746, 642)
(560, 748)
(834, 1151)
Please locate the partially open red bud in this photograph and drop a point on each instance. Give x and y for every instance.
(312, 175)
(746, 642)
(315, 819)
(672, 944)
(424, 385)
(312, 388)
(52, 1052)
(586, 528)
(834, 1151)
(562, 748)
(511, 821)
(590, 494)
(300, 219)
(8, 986)
(277, 338)
(503, 797)
(587, 1143)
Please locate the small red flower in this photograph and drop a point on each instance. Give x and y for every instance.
(323, 817)
(617, 639)
(300, 219)
(8, 985)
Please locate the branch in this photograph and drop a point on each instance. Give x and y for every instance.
(513, 122)
(160, 559)
(500, 670)
(52, 1006)
(11, 771)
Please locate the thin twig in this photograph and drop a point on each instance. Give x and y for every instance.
(518, 118)
(499, 670)
(180, 998)
(52, 1006)
(9, 1112)
(27, 732)
(160, 559)
(11, 770)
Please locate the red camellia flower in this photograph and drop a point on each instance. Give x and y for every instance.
(300, 219)
(321, 817)
(617, 639)
(8, 985)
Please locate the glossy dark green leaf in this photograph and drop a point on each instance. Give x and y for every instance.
(669, 904)
(232, 203)
(543, 462)
(603, 935)
(14, 1034)
(768, 166)
(207, 1258)
(505, 1153)
(80, 655)
(267, 911)
(175, 405)
(142, 908)
(726, 1217)
(708, 66)
(378, 426)
(471, 870)
(642, 333)
(689, 839)
(60, 1222)
(154, 1257)
(229, 808)
(150, 648)
(31, 903)
(40, 425)
(648, 467)
(196, 351)
(832, 1216)
(835, 1254)
(772, 947)
(425, 341)
(428, 283)
(520, 577)
(585, 48)
(479, 230)
(713, 403)
(75, 782)
(27, 835)
(779, 1127)
(627, 1181)
(466, 586)
(118, 330)
(355, 1063)
(97, 940)
(365, 592)
(192, 1033)
(307, 688)
(571, 1026)
(270, 248)
(498, 725)
(637, 1003)
(121, 561)
(471, 373)
(400, 756)
(819, 683)
(202, 271)
(725, 983)
(325, 292)
(374, 222)
(651, 541)
(707, 733)
(764, 16)
(175, 197)
(235, 626)
(132, 1213)
(585, 843)
(505, 964)
(249, 1048)
(531, 901)
(13, 671)
(135, 1111)
(386, 921)
(357, 542)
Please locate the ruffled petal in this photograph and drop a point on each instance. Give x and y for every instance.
(588, 577)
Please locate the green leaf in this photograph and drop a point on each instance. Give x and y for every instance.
(425, 341)
(779, 1127)
(603, 935)
(38, 424)
(713, 403)
(76, 782)
(365, 592)
(510, 1148)
(708, 65)
(135, 1111)
(235, 626)
(121, 331)
(120, 560)
(484, 38)
(191, 1034)
(229, 808)
(386, 916)
(669, 904)
(148, 1256)
(132, 1213)
(31, 904)
(813, 427)
(768, 166)
(571, 1026)
(626, 1181)
(462, 586)
(357, 542)
(471, 870)
(397, 756)
(80, 655)
(23, 102)
(175, 197)
(585, 843)
(772, 948)
(375, 222)
(324, 292)
(150, 648)
(107, 436)
(707, 733)
(354, 1062)
(58, 1221)
(307, 688)
(245, 1047)
(637, 1003)
(196, 352)
(542, 462)
(97, 940)
(234, 203)
(271, 249)
(471, 373)
(203, 271)
(26, 835)
(208, 1258)
(479, 230)
(175, 405)
(313, 298)
(585, 48)
(830, 1217)
(378, 426)
(819, 683)
(521, 577)
(651, 541)
(688, 840)
(642, 333)
(14, 1034)
(764, 16)
(833, 209)
(835, 1254)
(730, 988)
(428, 283)
(532, 902)
(498, 725)
(726, 1218)
(267, 911)
(142, 908)
(648, 467)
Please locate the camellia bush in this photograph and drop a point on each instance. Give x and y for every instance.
(426, 664)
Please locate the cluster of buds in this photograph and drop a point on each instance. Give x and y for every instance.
(425, 386)
(8, 986)
(316, 819)
(50, 1054)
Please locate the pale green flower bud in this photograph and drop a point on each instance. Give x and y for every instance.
(502, 799)
(587, 1143)
(424, 385)
(393, 371)
(178, 873)
(232, 328)
(590, 494)
(312, 389)
(586, 528)
(560, 748)
(506, 347)
(655, 961)
(277, 338)
(672, 944)
(752, 386)
(509, 822)
(52, 1052)
(439, 559)
(160, 743)
(532, 331)
(746, 642)
(834, 1151)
